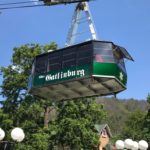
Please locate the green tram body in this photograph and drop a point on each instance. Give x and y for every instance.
(92, 68)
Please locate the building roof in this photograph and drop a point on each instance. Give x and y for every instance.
(100, 127)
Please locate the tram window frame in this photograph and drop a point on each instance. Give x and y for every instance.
(33, 67)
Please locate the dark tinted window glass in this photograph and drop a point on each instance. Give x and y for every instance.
(85, 54)
(56, 66)
(119, 60)
(55, 60)
(41, 64)
(85, 60)
(69, 57)
(70, 63)
(55, 54)
(121, 64)
(85, 51)
(69, 50)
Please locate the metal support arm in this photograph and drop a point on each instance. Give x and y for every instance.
(81, 7)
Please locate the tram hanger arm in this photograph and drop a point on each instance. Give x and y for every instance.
(58, 2)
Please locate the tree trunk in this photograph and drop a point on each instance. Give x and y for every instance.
(46, 116)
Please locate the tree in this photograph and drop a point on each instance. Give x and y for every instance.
(146, 127)
(76, 120)
(134, 126)
(18, 107)
(14, 86)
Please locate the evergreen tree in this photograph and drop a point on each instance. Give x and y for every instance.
(147, 124)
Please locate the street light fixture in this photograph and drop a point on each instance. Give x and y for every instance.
(119, 144)
(17, 134)
(143, 145)
(135, 145)
(130, 144)
(2, 134)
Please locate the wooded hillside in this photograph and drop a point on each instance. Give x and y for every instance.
(119, 110)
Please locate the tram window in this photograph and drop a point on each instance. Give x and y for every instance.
(41, 64)
(54, 57)
(54, 62)
(69, 57)
(69, 50)
(85, 47)
(69, 54)
(103, 52)
(104, 46)
(119, 59)
(121, 64)
(55, 54)
(69, 63)
(56, 66)
(86, 60)
(85, 51)
(108, 59)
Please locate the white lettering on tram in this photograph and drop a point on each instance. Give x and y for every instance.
(64, 75)
(81, 73)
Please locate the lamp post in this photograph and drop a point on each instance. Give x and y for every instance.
(130, 144)
(17, 134)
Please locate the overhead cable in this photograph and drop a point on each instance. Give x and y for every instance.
(16, 3)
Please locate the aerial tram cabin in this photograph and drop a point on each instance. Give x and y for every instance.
(92, 68)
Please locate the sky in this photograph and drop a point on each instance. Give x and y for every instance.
(125, 22)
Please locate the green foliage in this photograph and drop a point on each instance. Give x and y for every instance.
(118, 116)
(14, 86)
(76, 121)
(146, 133)
(19, 108)
(133, 126)
(148, 98)
(40, 140)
